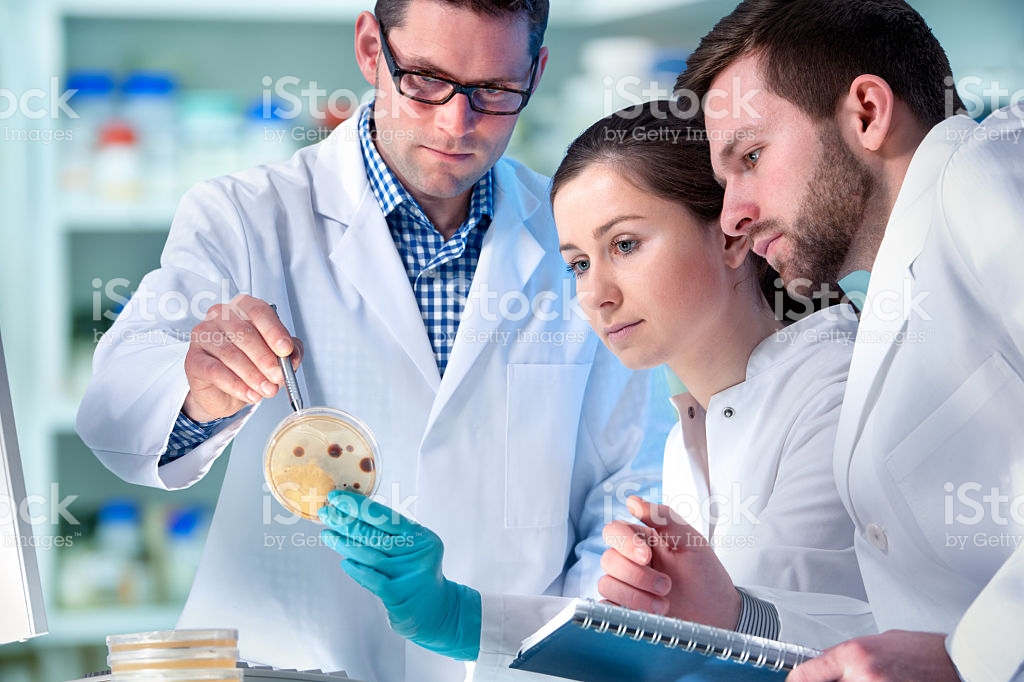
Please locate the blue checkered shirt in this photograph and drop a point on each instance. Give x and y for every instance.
(185, 435)
(439, 271)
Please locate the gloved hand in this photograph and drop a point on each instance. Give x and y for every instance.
(400, 562)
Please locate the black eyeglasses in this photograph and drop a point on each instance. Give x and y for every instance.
(431, 89)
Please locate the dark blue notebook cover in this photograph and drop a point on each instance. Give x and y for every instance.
(603, 643)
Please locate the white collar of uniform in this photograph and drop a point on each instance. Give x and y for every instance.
(835, 324)
(904, 236)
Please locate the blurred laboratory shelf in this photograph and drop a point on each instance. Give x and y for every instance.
(61, 419)
(563, 12)
(89, 626)
(249, 10)
(98, 216)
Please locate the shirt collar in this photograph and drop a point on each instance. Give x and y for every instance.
(392, 196)
(835, 324)
(855, 286)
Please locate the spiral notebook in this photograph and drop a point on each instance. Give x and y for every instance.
(604, 643)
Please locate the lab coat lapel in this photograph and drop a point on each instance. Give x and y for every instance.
(365, 254)
(692, 466)
(891, 288)
(508, 258)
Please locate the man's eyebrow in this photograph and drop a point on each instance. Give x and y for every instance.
(411, 63)
(740, 136)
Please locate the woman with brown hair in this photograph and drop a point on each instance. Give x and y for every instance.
(748, 469)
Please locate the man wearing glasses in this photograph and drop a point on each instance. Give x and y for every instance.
(505, 426)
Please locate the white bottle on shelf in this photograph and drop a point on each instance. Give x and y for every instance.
(266, 136)
(117, 168)
(148, 103)
(93, 103)
(119, 547)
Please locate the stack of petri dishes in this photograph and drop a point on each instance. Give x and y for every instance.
(174, 656)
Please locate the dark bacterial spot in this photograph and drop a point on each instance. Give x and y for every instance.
(366, 464)
(349, 448)
(334, 450)
(356, 486)
(298, 451)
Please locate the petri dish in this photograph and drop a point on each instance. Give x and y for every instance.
(197, 658)
(316, 450)
(178, 675)
(172, 639)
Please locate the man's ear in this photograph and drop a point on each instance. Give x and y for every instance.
(542, 61)
(734, 249)
(865, 115)
(367, 46)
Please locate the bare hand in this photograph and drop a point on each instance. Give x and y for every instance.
(232, 358)
(666, 567)
(893, 656)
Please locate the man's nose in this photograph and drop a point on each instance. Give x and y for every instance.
(739, 212)
(455, 116)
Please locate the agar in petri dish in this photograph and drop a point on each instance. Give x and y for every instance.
(316, 450)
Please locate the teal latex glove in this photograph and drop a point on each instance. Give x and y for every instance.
(400, 561)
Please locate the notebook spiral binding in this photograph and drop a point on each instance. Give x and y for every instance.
(704, 639)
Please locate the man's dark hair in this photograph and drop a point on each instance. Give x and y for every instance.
(391, 13)
(811, 50)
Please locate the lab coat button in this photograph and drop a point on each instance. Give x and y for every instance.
(877, 537)
(728, 413)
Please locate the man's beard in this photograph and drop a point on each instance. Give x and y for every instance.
(831, 213)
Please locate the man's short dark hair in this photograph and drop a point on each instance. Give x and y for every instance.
(391, 13)
(811, 50)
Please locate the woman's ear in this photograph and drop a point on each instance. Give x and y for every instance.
(734, 249)
(865, 114)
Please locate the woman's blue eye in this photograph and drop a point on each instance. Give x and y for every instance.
(578, 267)
(626, 245)
(753, 156)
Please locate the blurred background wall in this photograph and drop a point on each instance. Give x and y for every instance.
(173, 91)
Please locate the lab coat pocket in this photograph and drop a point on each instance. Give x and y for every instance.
(544, 403)
(960, 451)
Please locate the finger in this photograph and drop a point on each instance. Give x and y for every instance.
(824, 668)
(297, 354)
(665, 521)
(268, 324)
(651, 515)
(386, 519)
(626, 595)
(251, 341)
(354, 549)
(353, 529)
(365, 576)
(642, 578)
(242, 355)
(204, 369)
(631, 540)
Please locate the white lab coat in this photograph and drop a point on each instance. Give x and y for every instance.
(754, 473)
(504, 458)
(935, 402)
